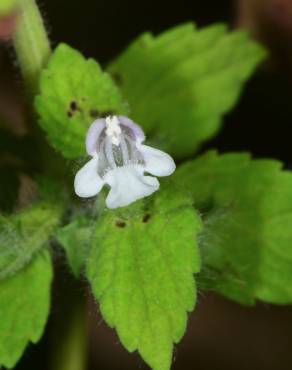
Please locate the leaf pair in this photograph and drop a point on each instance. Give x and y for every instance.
(141, 260)
(178, 86)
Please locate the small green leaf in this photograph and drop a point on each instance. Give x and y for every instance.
(73, 93)
(76, 239)
(141, 270)
(246, 242)
(26, 232)
(24, 308)
(180, 83)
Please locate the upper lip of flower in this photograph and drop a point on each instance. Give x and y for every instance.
(119, 159)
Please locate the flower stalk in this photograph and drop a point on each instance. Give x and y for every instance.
(33, 50)
(31, 44)
(70, 349)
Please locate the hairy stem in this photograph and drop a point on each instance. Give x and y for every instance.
(31, 44)
(32, 47)
(33, 50)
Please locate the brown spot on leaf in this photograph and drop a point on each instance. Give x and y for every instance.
(73, 108)
(146, 217)
(120, 224)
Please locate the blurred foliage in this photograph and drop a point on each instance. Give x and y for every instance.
(246, 240)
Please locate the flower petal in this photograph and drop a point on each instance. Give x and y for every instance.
(93, 135)
(128, 184)
(157, 163)
(137, 131)
(87, 183)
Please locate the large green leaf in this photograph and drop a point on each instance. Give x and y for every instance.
(26, 232)
(24, 308)
(73, 92)
(141, 270)
(180, 83)
(246, 243)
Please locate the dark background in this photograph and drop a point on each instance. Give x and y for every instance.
(221, 334)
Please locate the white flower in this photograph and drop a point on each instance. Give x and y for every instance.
(119, 159)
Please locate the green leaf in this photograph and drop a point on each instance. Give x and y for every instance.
(141, 270)
(26, 232)
(76, 239)
(73, 93)
(181, 83)
(24, 308)
(246, 243)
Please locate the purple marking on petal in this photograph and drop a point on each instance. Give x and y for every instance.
(137, 131)
(93, 134)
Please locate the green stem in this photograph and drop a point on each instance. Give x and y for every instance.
(70, 350)
(33, 50)
(31, 44)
